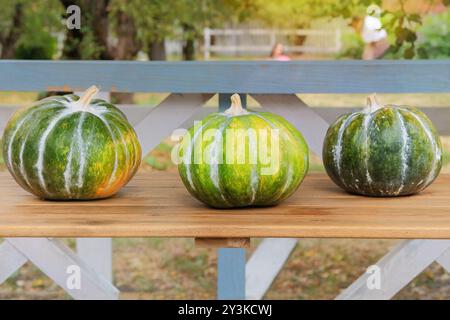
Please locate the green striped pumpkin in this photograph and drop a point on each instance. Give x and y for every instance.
(71, 148)
(383, 151)
(232, 170)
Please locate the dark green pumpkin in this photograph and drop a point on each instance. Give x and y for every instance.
(231, 178)
(383, 150)
(67, 147)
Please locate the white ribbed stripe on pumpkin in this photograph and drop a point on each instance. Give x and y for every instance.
(129, 166)
(16, 130)
(21, 161)
(81, 148)
(116, 151)
(214, 164)
(187, 159)
(289, 173)
(437, 150)
(124, 143)
(337, 151)
(254, 180)
(367, 120)
(405, 148)
(68, 170)
(41, 150)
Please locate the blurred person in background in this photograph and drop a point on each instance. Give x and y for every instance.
(278, 53)
(374, 37)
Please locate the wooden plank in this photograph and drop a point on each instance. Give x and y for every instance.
(10, 260)
(98, 254)
(222, 242)
(351, 76)
(166, 117)
(156, 204)
(58, 262)
(396, 269)
(231, 274)
(265, 264)
(312, 126)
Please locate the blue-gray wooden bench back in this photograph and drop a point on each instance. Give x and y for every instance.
(224, 77)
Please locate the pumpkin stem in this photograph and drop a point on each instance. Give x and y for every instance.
(372, 103)
(87, 96)
(236, 106)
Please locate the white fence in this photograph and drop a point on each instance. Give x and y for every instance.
(261, 41)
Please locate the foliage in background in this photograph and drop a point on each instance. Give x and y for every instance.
(28, 28)
(403, 27)
(410, 35)
(434, 37)
(352, 46)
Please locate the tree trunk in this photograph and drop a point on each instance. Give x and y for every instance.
(157, 50)
(189, 50)
(189, 45)
(127, 46)
(10, 40)
(72, 41)
(100, 27)
(74, 37)
(94, 17)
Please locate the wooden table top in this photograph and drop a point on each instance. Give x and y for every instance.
(156, 204)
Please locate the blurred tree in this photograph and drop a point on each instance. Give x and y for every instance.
(27, 28)
(434, 37)
(154, 20)
(119, 29)
(98, 24)
(11, 23)
(158, 20)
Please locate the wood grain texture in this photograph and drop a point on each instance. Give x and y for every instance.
(157, 205)
(228, 76)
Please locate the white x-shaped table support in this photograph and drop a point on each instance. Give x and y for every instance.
(59, 263)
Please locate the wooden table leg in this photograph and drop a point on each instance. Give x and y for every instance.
(231, 274)
(231, 262)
